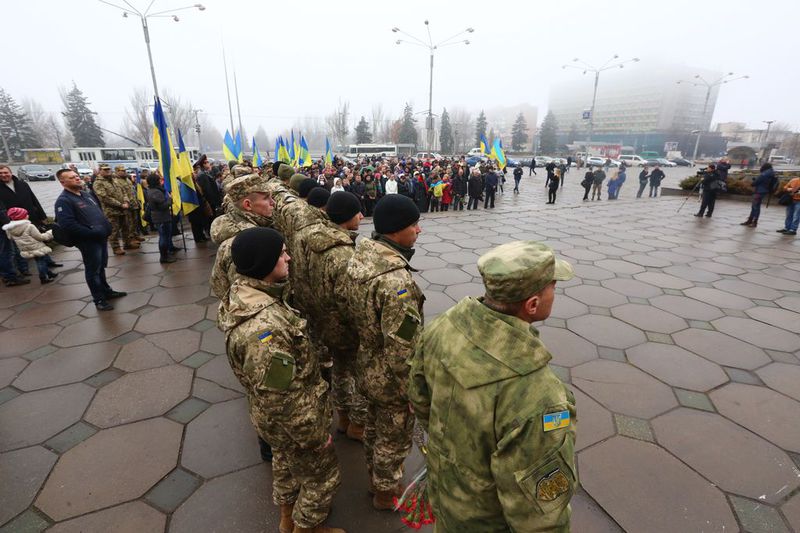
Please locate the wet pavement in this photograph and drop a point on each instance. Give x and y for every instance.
(678, 336)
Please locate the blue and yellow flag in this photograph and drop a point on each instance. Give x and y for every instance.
(283, 153)
(498, 154)
(229, 148)
(278, 145)
(484, 145)
(328, 153)
(292, 152)
(186, 186)
(140, 197)
(162, 144)
(304, 153)
(257, 161)
(239, 147)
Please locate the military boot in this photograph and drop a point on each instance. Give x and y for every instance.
(287, 524)
(344, 421)
(318, 529)
(747, 222)
(118, 251)
(383, 500)
(132, 245)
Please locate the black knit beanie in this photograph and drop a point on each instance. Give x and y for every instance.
(318, 197)
(305, 187)
(255, 251)
(342, 206)
(394, 212)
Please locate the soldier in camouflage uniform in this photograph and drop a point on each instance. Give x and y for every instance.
(115, 204)
(123, 182)
(322, 253)
(268, 349)
(386, 306)
(501, 425)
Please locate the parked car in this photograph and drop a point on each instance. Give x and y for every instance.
(666, 162)
(475, 159)
(152, 166)
(35, 173)
(599, 161)
(681, 162)
(427, 156)
(632, 159)
(82, 167)
(542, 160)
(513, 163)
(474, 152)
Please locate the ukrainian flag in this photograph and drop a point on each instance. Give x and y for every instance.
(239, 150)
(284, 153)
(186, 186)
(278, 145)
(292, 152)
(167, 161)
(304, 153)
(328, 153)
(498, 154)
(484, 144)
(229, 151)
(257, 161)
(140, 197)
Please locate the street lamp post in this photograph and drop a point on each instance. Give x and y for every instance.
(143, 16)
(586, 67)
(431, 49)
(699, 81)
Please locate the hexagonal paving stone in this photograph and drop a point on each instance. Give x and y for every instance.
(436, 303)
(44, 314)
(125, 305)
(103, 328)
(721, 348)
(663, 280)
(623, 388)
(599, 296)
(692, 274)
(219, 371)
(67, 365)
(10, 369)
(775, 316)
(180, 296)
(592, 272)
(758, 333)
(583, 255)
(719, 298)
(213, 341)
(127, 518)
(178, 344)
(141, 354)
(140, 395)
(462, 290)
(631, 287)
(783, 378)
(567, 348)
(606, 331)
(717, 268)
(36, 416)
(169, 318)
(790, 302)
(646, 260)
(791, 510)
(19, 296)
(620, 267)
(566, 307)
(446, 276)
(60, 293)
(111, 467)
(423, 262)
(23, 472)
(649, 318)
(677, 367)
(21, 341)
(221, 440)
(774, 282)
(748, 290)
(640, 503)
(440, 247)
(749, 466)
(460, 258)
(762, 411)
(594, 420)
(184, 279)
(686, 307)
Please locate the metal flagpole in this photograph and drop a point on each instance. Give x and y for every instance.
(238, 107)
(228, 88)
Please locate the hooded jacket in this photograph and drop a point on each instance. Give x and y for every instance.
(29, 240)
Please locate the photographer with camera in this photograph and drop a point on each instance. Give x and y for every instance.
(711, 184)
(763, 186)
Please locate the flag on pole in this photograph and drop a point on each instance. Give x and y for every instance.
(328, 153)
(239, 147)
(162, 144)
(484, 145)
(278, 144)
(188, 192)
(257, 161)
(284, 153)
(229, 148)
(292, 152)
(498, 154)
(140, 197)
(305, 156)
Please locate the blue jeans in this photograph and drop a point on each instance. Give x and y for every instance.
(95, 261)
(43, 266)
(10, 259)
(165, 237)
(792, 216)
(755, 207)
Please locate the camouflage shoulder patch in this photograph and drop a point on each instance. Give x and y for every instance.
(552, 486)
(402, 293)
(264, 337)
(552, 421)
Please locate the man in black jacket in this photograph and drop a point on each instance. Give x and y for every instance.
(475, 188)
(78, 214)
(17, 193)
(711, 185)
(208, 186)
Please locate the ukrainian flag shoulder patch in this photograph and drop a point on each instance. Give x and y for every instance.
(558, 420)
(265, 337)
(402, 293)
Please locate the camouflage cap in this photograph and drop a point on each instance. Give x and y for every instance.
(120, 167)
(296, 180)
(517, 270)
(241, 170)
(240, 187)
(285, 172)
(104, 166)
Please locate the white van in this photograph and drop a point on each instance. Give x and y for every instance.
(632, 159)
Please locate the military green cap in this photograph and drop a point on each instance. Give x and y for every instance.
(296, 180)
(104, 166)
(240, 187)
(517, 270)
(285, 172)
(241, 170)
(120, 167)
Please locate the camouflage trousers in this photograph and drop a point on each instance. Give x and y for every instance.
(387, 443)
(303, 476)
(132, 224)
(119, 227)
(346, 396)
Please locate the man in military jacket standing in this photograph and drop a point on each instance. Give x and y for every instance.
(501, 425)
(114, 201)
(386, 306)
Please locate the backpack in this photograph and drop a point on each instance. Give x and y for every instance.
(62, 236)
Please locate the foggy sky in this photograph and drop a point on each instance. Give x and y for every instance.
(300, 64)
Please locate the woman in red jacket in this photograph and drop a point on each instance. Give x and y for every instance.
(447, 193)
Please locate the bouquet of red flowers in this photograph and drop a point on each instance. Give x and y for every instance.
(414, 501)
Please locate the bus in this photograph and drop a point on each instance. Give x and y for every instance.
(123, 155)
(355, 151)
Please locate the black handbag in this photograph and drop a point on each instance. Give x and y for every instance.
(62, 236)
(785, 198)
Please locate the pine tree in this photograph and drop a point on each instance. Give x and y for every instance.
(16, 128)
(363, 135)
(480, 128)
(80, 119)
(408, 129)
(519, 135)
(490, 138)
(573, 133)
(446, 141)
(548, 141)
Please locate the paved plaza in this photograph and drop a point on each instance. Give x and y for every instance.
(678, 336)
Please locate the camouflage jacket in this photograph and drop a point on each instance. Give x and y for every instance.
(110, 194)
(126, 188)
(322, 251)
(386, 306)
(269, 353)
(501, 425)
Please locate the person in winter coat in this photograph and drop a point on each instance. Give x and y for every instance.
(491, 188)
(588, 181)
(370, 194)
(763, 185)
(391, 185)
(597, 185)
(655, 181)
(30, 241)
(711, 186)
(474, 188)
(644, 176)
(459, 190)
(553, 182)
(447, 193)
(159, 205)
(517, 178)
(421, 192)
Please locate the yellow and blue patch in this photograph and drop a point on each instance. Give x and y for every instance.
(402, 293)
(557, 420)
(265, 337)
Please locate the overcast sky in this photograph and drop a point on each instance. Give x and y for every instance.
(293, 64)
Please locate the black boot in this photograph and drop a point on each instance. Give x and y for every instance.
(165, 258)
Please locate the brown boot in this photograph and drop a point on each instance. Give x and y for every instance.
(355, 432)
(132, 245)
(344, 421)
(287, 524)
(384, 500)
(318, 529)
(118, 251)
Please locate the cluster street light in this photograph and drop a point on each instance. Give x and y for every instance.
(143, 16)
(699, 81)
(431, 47)
(614, 62)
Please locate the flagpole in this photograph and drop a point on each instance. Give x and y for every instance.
(238, 108)
(228, 88)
